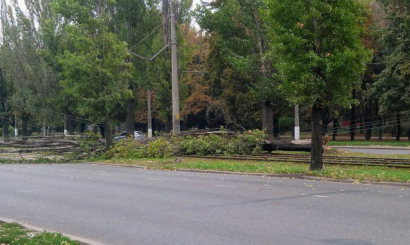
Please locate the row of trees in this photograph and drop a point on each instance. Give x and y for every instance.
(82, 62)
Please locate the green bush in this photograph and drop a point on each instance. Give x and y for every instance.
(88, 142)
(129, 148)
(250, 142)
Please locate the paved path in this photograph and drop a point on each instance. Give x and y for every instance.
(375, 150)
(126, 206)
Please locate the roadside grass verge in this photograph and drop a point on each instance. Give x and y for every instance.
(13, 234)
(331, 171)
(369, 143)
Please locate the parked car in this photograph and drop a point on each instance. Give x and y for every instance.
(137, 135)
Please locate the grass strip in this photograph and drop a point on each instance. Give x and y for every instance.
(331, 171)
(15, 234)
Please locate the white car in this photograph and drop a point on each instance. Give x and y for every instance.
(137, 135)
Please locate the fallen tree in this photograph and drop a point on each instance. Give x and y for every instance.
(285, 146)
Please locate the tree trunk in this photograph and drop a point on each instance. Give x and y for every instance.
(368, 120)
(408, 133)
(267, 118)
(353, 117)
(335, 128)
(44, 128)
(398, 126)
(130, 122)
(285, 146)
(102, 129)
(6, 124)
(65, 125)
(82, 127)
(107, 132)
(24, 120)
(165, 16)
(379, 123)
(361, 126)
(276, 130)
(185, 125)
(168, 125)
(316, 162)
(149, 114)
(71, 125)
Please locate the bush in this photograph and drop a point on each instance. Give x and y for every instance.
(129, 148)
(250, 142)
(88, 142)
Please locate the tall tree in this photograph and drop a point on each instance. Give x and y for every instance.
(392, 86)
(320, 57)
(97, 69)
(241, 72)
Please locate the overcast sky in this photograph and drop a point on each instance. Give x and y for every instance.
(195, 3)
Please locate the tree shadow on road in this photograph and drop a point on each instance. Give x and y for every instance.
(284, 198)
(345, 242)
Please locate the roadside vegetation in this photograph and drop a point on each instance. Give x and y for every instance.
(15, 234)
(250, 142)
(186, 153)
(334, 172)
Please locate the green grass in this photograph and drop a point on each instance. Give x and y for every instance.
(15, 234)
(331, 171)
(369, 143)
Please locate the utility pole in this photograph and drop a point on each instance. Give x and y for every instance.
(175, 89)
(149, 114)
(297, 128)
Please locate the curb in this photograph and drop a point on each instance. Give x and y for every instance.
(301, 177)
(84, 241)
(289, 176)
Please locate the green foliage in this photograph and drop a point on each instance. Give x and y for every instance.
(392, 86)
(88, 142)
(15, 234)
(242, 144)
(247, 143)
(317, 48)
(241, 74)
(129, 148)
(159, 148)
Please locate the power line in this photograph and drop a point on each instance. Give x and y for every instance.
(153, 31)
(79, 119)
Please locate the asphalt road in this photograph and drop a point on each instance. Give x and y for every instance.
(117, 205)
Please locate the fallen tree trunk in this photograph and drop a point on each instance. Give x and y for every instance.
(43, 149)
(39, 142)
(285, 146)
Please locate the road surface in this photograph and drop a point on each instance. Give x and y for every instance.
(126, 206)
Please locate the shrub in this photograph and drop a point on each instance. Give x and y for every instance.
(250, 142)
(129, 148)
(88, 143)
(247, 143)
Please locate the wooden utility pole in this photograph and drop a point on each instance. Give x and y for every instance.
(297, 128)
(149, 114)
(175, 89)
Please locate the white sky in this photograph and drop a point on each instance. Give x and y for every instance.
(195, 3)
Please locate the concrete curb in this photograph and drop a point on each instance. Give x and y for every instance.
(38, 229)
(288, 176)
